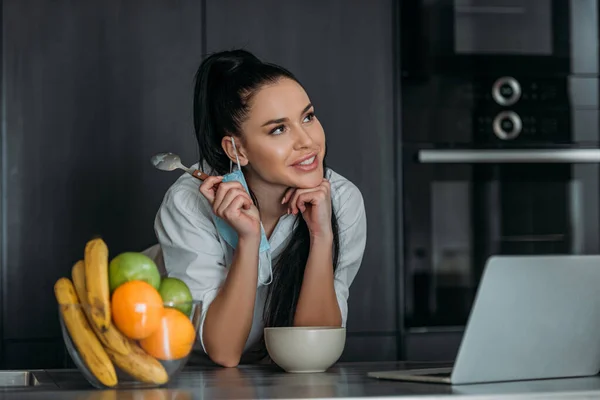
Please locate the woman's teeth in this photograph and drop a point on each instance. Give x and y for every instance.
(308, 162)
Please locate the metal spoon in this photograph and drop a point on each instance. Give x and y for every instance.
(171, 162)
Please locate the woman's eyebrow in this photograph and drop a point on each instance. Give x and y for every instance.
(274, 121)
(308, 107)
(280, 120)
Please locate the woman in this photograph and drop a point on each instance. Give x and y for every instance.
(283, 253)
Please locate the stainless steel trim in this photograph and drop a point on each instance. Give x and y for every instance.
(26, 379)
(497, 95)
(583, 46)
(436, 329)
(489, 10)
(516, 128)
(556, 237)
(510, 156)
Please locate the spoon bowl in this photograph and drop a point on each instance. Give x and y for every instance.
(167, 162)
(171, 162)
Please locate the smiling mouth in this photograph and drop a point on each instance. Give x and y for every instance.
(308, 161)
(307, 165)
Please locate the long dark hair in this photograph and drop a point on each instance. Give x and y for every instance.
(225, 84)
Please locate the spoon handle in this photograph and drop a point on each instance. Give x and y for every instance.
(200, 175)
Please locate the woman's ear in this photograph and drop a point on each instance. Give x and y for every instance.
(230, 150)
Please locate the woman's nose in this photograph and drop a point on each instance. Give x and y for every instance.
(303, 139)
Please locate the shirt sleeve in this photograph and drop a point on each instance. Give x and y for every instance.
(352, 223)
(190, 246)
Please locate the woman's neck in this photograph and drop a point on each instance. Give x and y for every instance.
(269, 198)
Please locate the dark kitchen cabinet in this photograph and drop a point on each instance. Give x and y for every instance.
(92, 90)
(343, 54)
(370, 347)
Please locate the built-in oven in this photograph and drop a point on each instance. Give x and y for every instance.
(496, 36)
(500, 150)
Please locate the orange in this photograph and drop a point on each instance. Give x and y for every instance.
(137, 309)
(174, 338)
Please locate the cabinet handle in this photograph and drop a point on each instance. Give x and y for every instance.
(527, 156)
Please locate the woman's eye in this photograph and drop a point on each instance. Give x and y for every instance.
(278, 130)
(309, 117)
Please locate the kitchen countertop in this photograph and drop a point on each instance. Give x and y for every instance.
(344, 380)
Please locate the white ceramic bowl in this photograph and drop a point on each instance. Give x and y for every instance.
(305, 349)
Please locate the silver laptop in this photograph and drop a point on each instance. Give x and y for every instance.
(534, 317)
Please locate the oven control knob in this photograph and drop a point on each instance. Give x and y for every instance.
(507, 125)
(506, 91)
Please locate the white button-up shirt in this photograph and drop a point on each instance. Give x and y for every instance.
(193, 251)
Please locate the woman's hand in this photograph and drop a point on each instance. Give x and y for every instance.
(315, 206)
(233, 204)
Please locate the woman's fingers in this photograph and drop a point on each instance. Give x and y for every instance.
(239, 202)
(288, 194)
(291, 195)
(315, 197)
(294, 203)
(222, 190)
(207, 188)
(312, 195)
(219, 208)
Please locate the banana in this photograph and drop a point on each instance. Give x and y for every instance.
(111, 338)
(96, 282)
(88, 345)
(140, 365)
(124, 352)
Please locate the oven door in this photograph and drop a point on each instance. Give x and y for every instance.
(467, 37)
(462, 206)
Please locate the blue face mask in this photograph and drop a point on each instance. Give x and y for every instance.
(225, 230)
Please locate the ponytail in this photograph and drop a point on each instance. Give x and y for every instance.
(219, 107)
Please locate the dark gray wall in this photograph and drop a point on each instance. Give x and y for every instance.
(93, 88)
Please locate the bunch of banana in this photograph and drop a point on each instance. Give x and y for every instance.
(90, 284)
(110, 336)
(89, 347)
(140, 365)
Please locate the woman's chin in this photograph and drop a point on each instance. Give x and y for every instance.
(309, 181)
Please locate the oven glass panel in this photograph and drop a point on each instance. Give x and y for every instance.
(458, 215)
(509, 27)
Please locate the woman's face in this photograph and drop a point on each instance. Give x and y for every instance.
(282, 140)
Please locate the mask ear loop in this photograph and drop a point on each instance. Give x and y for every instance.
(270, 279)
(236, 157)
(270, 269)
